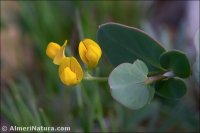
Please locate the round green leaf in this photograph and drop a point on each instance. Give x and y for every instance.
(171, 88)
(127, 85)
(121, 44)
(177, 62)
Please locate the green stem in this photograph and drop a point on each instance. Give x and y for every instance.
(99, 111)
(100, 79)
(79, 96)
(87, 76)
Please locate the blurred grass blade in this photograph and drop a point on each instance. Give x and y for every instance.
(44, 118)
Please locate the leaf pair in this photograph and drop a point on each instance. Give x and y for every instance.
(126, 44)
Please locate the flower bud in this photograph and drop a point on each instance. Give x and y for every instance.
(89, 52)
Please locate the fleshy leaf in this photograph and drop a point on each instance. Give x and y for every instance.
(177, 62)
(171, 88)
(127, 85)
(121, 44)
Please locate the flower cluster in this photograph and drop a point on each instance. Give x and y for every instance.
(70, 71)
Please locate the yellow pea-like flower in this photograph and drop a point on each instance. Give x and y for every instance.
(89, 52)
(70, 71)
(52, 49)
(56, 52)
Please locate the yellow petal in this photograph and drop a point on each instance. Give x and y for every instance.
(65, 63)
(74, 66)
(60, 55)
(88, 42)
(95, 50)
(52, 49)
(92, 57)
(68, 77)
(82, 52)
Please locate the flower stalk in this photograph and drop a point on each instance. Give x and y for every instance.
(89, 77)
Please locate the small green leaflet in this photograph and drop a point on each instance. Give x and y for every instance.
(127, 85)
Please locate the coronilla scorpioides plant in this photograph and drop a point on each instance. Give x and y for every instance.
(142, 66)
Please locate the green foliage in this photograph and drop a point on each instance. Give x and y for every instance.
(176, 62)
(171, 88)
(127, 84)
(19, 105)
(126, 44)
(133, 84)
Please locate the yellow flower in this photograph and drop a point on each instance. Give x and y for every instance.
(56, 52)
(70, 71)
(90, 52)
(52, 49)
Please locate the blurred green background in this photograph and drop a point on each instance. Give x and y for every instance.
(32, 93)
